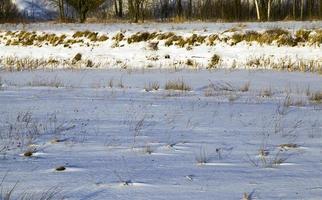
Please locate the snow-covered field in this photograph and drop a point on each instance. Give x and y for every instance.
(159, 132)
(118, 141)
(119, 53)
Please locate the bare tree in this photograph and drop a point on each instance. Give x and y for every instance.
(60, 5)
(83, 7)
(8, 11)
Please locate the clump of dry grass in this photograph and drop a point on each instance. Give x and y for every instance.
(177, 85)
(13, 63)
(148, 149)
(245, 87)
(139, 37)
(38, 82)
(153, 46)
(77, 58)
(164, 36)
(118, 37)
(190, 62)
(288, 146)
(178, 40)
(1, 83)
(196, 39)
(249, 36)
(152, 86)
(266, 92)
(212, 39)
(221, 88)
(202, 157)
(316, 97)
(9, 193)
(302, 35)
(268, 159)
(79, 34)
(289, 101)
(316, 37)
(102, 38)
(214, 62)
(280, 36)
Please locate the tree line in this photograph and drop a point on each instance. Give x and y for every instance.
(179, 10)
(8, 11)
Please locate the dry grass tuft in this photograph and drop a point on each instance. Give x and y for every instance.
(214, 62)
(177, 85)
(152, 86)
(316, 97)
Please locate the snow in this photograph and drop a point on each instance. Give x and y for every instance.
(118, 141)
(103, 163)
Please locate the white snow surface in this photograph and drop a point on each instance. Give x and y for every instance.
(103, 161)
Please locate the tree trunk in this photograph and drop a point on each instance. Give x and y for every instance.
(63, 9)
(320, 9)
(120, 8)
(269, 4)
(136, 10)
(257, 11)
(131, 9)
(179, 8)
(82, 17)
(142, 11)
(302, 9)
(294, 9)
(190, 9)
(115, 8)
